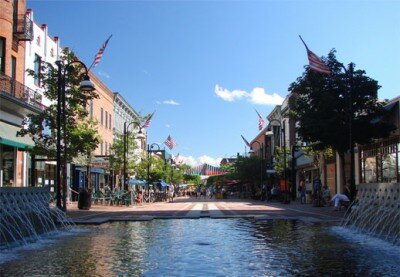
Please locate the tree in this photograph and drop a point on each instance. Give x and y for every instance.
(79, 132)
(322, 104)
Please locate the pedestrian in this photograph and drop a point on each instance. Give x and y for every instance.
(326, 194)
(340, 200)
(317, 186)
(302, 191)
(171, 191)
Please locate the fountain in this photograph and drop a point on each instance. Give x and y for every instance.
(25, 214)
(376, 211)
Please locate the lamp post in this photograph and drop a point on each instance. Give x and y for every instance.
(140, 135)
(261, 158)
(349, 113)
(282, 128)
(149, 151)
(86, 86)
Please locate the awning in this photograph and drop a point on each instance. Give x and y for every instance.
(8, 136)
(137, 182)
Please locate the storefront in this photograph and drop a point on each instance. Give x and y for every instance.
(14, 156)
(380, 162)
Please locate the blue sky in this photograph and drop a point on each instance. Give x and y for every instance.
(184, 59)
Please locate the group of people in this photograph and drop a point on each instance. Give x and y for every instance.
(321, 195)
(205, 192)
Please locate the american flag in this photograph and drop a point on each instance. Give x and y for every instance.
(260, 121)
(315, 62)
(245, 141)
(170, 142)
(99, 54)
(148, 121)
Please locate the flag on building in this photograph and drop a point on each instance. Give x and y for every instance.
(170, 142)
(245, 141)
(148, 121)
(315, 62)
(260, 121)
(99, 54)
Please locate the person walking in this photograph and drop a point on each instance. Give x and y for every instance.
(302, 190)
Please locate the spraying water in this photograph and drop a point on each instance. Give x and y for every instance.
(376, 212)
(25, 213)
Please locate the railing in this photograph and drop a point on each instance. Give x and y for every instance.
(24, 28)
(20, 91)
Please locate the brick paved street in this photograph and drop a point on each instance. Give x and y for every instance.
(195, 208)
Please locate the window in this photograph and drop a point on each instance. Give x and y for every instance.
(13, 67)
(37, 65)
(109, 122)
(106, 119)
(15, 15)
(101, 116)
(105, 148)
(2, 54)
(101, 148)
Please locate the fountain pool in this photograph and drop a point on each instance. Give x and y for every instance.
(205, 247)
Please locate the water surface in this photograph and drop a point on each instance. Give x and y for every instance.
(205, 247)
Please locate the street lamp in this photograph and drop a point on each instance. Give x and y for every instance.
(140, 136)
(282, 128)
(86, 86)
(251, 151)
(150, 150)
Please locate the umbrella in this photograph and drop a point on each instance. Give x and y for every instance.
(164, 184)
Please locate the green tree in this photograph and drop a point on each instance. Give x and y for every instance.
(321, 108)
(80, 132)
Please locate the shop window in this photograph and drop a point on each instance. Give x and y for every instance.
(380, 163)
(7, 158)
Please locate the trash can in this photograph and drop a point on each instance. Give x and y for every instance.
(84, 200)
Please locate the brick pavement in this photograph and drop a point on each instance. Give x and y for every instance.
(184, 207)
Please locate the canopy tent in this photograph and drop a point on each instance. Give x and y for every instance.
(136, 182)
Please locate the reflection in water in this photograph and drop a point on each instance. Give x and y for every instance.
(204, 247)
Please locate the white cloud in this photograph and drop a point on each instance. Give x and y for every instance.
(167, 125)
(209, 160)
(170, 102)
(257, 96)
(158, 102)
(229, 95)
(190, 160)
(103, 74)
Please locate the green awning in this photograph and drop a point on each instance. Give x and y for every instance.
(8, 136)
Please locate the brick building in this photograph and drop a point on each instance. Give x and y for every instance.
(102, 111)
(16, 99)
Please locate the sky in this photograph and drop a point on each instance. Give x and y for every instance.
(204, 67)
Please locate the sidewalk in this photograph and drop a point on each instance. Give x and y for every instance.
(184, 207)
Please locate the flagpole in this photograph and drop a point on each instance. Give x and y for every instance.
(303, 42)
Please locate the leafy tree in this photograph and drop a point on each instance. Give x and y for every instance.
(321, 108)
(79, 131)
(248, 169)
(191, 179)
(279, 164)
